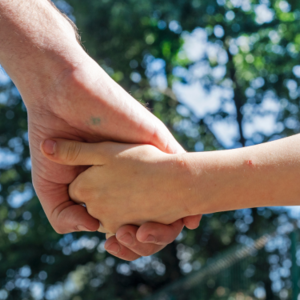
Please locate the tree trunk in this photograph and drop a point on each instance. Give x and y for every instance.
(237, 98)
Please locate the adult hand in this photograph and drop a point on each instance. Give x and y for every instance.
(89, 106)
(69, 96)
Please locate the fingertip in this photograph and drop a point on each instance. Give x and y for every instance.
(131, 229)
(143, 232)
(71, 217)
(192, 222)
(113, 247)
(159, 234)
(48, 146)
(83, 228)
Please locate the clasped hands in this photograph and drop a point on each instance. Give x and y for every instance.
(69, 96)
(125, 183)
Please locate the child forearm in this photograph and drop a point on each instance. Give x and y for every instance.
(262, 175)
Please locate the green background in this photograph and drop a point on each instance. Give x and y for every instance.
(127, 38)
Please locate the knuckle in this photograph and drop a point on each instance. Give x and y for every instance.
(148, 251)
(59, 229)
(79, 191)
(56, 220)
(72, 151)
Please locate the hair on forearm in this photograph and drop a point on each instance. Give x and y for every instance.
(78, 37)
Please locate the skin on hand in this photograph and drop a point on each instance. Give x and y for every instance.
(146, 184)
(51, 180)
(129, 236)
(68, 96)
(134, 183)
(48, 119)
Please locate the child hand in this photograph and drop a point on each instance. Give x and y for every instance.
(126, 184)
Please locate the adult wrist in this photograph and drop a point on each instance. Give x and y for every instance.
(35, 51)
(55, 70)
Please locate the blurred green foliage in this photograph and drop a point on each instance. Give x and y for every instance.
(251, 51)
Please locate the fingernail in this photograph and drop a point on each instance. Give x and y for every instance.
(126, 239)
(114, 248)
(150, 239)
(49, 146)
(82, 228)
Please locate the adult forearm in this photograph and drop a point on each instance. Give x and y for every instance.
(37, 43)
(262, 175)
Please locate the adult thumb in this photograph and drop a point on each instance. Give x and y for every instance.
(73, 153)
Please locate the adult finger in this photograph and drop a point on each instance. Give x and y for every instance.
(70, 217)
(159, 234)
(126, 235)
(74, 153)
(113, 247)
(64, 215)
